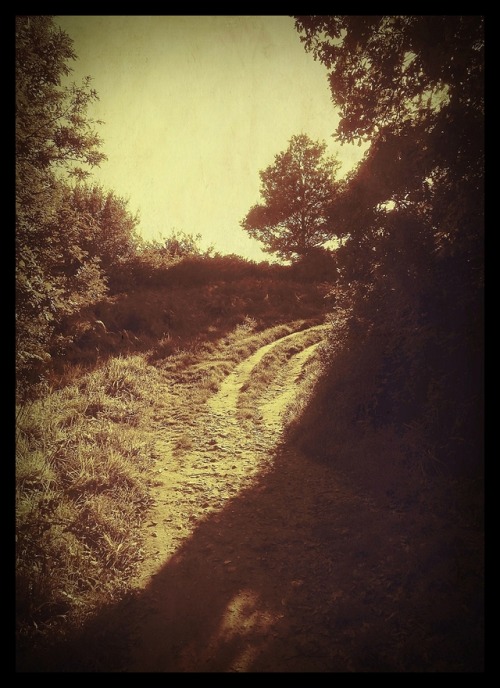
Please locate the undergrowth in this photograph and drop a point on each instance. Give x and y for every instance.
(86, 451)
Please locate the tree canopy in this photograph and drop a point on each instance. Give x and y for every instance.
(52, 128)
(297, 190)
(413, 87)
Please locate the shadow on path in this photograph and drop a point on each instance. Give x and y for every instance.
(298, 574)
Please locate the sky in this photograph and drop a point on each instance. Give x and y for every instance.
(193, 108)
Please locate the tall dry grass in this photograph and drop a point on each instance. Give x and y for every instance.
(83, 455)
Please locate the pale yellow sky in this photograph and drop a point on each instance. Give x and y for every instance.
(194, 108)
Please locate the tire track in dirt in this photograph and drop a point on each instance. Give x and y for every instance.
(227, 397)
(282, 391)
(269, 561)
(226, 458)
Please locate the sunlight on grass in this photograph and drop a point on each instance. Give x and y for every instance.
(82, 473)
(84, 469)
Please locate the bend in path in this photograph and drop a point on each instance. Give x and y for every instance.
(283, 389)
(227, 456)
(280, 565)
(225, 400)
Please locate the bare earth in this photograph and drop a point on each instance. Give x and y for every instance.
(263, 560)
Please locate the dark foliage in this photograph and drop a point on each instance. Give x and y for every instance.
(68, 234)
(412, 214)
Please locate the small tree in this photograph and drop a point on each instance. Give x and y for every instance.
(297, 191)
(108, 228)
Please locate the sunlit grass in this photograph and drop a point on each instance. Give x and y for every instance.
(82, 490)
(84, 458)
(113, 402)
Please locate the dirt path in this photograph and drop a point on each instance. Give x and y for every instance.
(225, 455)
(226, 398)
(242, 514)
(261, 560)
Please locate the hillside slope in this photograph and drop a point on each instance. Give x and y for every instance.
(259, 559)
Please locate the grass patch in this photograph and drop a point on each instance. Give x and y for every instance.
(84, 458)
(267, 370)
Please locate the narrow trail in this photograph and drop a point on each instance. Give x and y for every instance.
(227, 456)
(237, 594)
(262, 560)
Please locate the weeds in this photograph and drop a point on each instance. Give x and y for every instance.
(85, 447)
(82, 470)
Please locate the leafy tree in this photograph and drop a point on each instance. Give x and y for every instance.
(297, 191)
(54, 138)
(52, 129)
(413, 86)
(108, 229)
